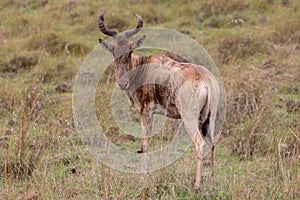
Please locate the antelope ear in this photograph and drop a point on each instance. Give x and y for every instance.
(136, 44)
(106, 45)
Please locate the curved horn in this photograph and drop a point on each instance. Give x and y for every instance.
(139, 26)
(103, 29)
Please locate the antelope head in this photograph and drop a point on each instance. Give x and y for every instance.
(122, 49)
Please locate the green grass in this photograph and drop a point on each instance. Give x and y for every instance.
(42, 44)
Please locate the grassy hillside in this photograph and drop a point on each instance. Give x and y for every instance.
(255, 44)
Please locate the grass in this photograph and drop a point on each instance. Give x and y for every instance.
(256, 46)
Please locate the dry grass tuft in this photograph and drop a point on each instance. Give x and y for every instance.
(287, 31)
(22, 158)
(23, 151)
(117, 22)
(217, 7)
(9, 97)
(28, 4)
(153, 14)
(252, 140)
(242, 102)
(20, 63)
(234, 48)
(247, 93)
(55, 44)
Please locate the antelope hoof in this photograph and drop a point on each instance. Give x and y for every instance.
(140, 151)
(196, 188)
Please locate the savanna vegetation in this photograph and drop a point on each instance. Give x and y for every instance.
(256, 46)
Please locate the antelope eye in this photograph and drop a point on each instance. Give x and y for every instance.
(127, 54)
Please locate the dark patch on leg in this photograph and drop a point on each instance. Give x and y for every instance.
(205, 126)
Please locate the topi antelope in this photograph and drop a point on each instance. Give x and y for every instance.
(142, 81)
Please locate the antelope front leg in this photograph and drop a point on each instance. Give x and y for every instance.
(146, 123)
